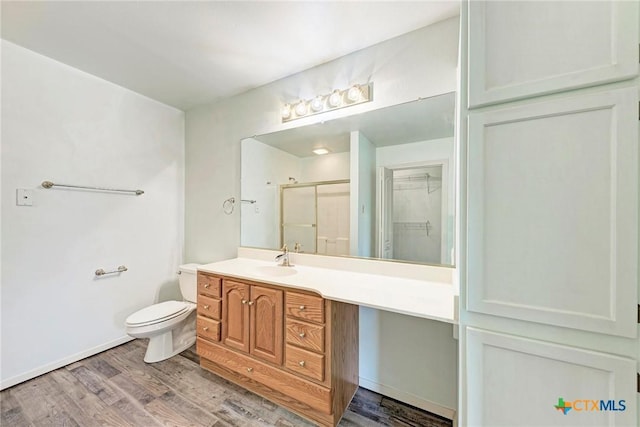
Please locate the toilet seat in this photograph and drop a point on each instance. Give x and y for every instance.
(158, 313)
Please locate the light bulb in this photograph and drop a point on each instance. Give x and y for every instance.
(335, 98)
(301, 108)
(317, 104)
(354, 93)
(286, 111)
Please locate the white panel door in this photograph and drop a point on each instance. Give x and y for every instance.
(552, 236)
(523, 48)
(597, 388)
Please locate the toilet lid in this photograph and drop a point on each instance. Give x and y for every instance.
(157, 312)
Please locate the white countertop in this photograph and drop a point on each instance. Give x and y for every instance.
(413, 297)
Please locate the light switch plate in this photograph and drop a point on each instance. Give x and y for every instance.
(24, 197)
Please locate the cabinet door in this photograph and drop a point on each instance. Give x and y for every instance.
(553, 232)
(267, 324)
(520, 49)
(518, 381)
(235, 315)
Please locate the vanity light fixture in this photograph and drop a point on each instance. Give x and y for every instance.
(317, 104)
(354, 93)
(301, 108)
(338, 98)
(286, 111)
(335, 99)
(320, 151)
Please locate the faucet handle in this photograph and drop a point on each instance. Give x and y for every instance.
(297, 247)
(284, 248)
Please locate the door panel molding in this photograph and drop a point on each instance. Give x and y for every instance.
(552, 236)
(512, 58)
(498, 362)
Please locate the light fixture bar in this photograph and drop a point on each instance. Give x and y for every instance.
(339, 98)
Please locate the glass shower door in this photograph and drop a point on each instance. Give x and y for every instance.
(299, 218)
(333, 219)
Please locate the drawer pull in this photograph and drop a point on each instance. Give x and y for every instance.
(301, 334)
(249, 369)
(301, 363)
(244, 301)
(250, 303)
(206, 328)
(206, 307)
(302, 307)
(206, 286)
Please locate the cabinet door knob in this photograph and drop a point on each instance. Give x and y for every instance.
(206, 307)
(301, 363)
(249, 369)
(301, 334)
(250, 303)
(206, 328)
(206, 285)
(244, 301)
(302, 307)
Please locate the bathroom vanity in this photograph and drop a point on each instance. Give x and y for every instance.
(290, 334)
(291, 346)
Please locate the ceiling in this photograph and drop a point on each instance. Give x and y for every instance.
(188, 53)
(421, 120)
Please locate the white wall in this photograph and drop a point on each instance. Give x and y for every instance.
(64, 125)
(411, 359)
(419, 64)
(265, 169)
(328, 167)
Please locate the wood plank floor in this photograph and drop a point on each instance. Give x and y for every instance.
(116, 388)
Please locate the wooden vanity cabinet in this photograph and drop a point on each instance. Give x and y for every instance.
(292, 347)
(209, 307)
(252, 320)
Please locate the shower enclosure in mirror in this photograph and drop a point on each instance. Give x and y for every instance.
(383, 189)
(315, 217)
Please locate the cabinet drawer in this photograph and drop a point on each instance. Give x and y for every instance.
(311, 394)
(208, 328)
(305, 335)
(304, 362)
(209, 285)
(209, 307)
(306, 307)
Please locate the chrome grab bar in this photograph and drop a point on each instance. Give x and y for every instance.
(101, 272)
(49, 184)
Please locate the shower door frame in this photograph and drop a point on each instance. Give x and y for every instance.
(300, 185)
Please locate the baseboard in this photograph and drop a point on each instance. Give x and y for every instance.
(62, 362)
(408, 398)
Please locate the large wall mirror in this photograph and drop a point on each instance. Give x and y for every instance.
(382, 189)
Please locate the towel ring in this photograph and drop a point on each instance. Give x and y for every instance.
(228, 205)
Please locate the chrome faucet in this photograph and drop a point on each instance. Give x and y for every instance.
(284, 256)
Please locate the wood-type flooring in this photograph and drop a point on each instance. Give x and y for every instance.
(116, 388)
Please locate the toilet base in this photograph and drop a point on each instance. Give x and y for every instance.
(161, 348)
(173, 341)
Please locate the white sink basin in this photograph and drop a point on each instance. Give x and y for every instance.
(274, 271)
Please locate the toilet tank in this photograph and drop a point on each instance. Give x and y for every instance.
(188, 277)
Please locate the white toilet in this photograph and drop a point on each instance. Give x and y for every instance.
(170, 325)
